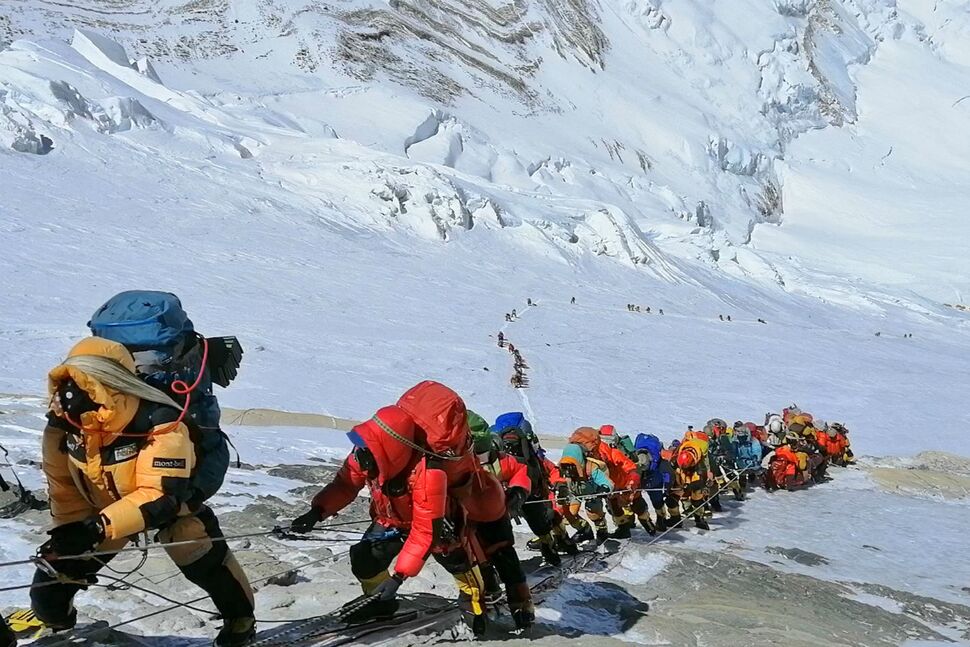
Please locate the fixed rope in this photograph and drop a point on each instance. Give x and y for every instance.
(187, 542)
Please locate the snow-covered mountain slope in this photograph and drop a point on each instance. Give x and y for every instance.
(312, 185)
(669, 135)
(361, 190)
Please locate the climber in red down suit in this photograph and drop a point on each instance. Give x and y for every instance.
(426, 499)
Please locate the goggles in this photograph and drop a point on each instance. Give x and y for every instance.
(364, 457)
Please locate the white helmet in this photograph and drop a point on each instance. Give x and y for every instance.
(775, 425)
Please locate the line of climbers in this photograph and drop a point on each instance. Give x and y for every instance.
(519, 379)
(133, 445)
(632, 307)
(609, 474)
(429, 496)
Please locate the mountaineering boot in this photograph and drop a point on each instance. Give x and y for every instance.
(365, 608)
(524, 618)
(549, 553)
(673, 523)
(25, 623)
(648, 525)
(567, 545)
(622, 531)
(739, 495)
(521, 605)
(716, 504)
(478, 624)
(7, 637)
(661, 524)
(236, 632)
(583, 535)
(602, 534)
(471, 588)
(492, 591)
(701, 523)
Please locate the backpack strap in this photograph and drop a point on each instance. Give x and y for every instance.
(229, 440)
(150, 415)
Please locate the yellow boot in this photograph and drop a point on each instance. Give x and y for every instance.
(471, 589)
(24, 623)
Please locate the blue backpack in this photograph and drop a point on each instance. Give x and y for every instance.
(142, 320)
(155, 328)
(651, 444)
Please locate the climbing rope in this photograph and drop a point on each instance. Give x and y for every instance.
(599, 495)
(121, 584)
(737, 475)
(188, 542)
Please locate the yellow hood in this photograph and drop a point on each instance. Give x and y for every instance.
(117, 409)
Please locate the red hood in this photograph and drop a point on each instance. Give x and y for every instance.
(391, 455)
(440, 416)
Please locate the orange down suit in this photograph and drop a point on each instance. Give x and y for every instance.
(130, 462)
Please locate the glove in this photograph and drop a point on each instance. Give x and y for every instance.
(514, 499)
(604, 489)
(76, 538)
(387, 590)
(562, 492)
(306, 521)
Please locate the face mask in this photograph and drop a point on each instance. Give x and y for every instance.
(74, 401)
(367, 462)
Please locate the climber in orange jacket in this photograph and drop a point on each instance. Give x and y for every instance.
(622, 471)
(626, 476)
(118, 461)
(840, 442)
(787, 469)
